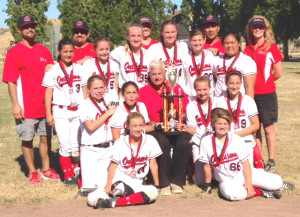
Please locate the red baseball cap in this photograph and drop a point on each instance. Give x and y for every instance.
(26, 20)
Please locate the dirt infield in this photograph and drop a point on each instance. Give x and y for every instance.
(259, 207)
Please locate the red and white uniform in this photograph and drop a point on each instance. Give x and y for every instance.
(175, 54)
(240, 62)
(67, 95)
(152, 42)
(199, 116)
(85, 52)
(132, 67)
(118, 120)
(94, 161)
(217, 45)
(26, 67)
(265, 61)
(226, 161)
(196, 66)
(107, 71)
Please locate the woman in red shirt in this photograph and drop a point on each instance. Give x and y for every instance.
(265, 53)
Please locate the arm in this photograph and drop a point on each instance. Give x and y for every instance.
(277, 70)
(189, 130)
(111, 173)
(248, 176)
(150, 127)
(251, 129)
(85, 92)
(215, 51)
(154, 171)
(116, 133)
(18, 112)
(249, 83)
(207, 173)
(48, 106)
(94, 125)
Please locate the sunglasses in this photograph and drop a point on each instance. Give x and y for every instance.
(260, 27)
(81, 31)
(32, 26)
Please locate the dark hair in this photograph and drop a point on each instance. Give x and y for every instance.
(127, 84)
(62, 43)
(236, 36)
(132, 115)
(195, 32)
(163, 25)
(233, 72)
(93, 78)
(100, 39)
(202, 79)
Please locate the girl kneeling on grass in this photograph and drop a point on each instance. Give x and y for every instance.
(225, 155)
(132, 156)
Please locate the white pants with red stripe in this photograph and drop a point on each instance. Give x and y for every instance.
(67, 128)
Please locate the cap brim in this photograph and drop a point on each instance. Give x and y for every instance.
(80, 28)
(141, 23)
(25, 24)
(206, 22)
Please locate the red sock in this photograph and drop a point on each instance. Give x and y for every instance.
(257, 158)
(257, 192)
(65, 164)
(136, 198)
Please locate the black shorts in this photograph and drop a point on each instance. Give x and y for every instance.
(267, 106)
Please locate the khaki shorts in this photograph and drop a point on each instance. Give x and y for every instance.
(27, 128)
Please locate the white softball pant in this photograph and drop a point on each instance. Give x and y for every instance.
(67, 126)
(234, 189)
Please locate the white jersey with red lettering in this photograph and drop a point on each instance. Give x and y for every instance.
(132, 67)
(223, 64)
(225, 158)
(63, 94)
(176, 54)
(134, 161)
(247, 110)
(118, 120)
(202, 69)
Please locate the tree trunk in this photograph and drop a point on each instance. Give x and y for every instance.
(286, 49)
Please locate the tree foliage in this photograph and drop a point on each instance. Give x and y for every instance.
(110, 17)
(37, 8)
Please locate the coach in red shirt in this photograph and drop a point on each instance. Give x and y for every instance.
(24, 72)
(83, 49)
(172, 172)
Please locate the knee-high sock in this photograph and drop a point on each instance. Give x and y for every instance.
(257, 192)
(65, 164)
(257, 158)
(133, 199)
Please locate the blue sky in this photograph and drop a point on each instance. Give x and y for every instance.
(51, 13)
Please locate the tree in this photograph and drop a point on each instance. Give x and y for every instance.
(37, 8)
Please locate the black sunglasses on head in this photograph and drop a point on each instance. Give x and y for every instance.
(81, 31)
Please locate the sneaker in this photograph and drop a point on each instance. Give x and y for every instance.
(270, 166)
(165, 191)
(287, 186)
(70, 182)
(270, 194)
(49, 174)
(106, 203)
(34, 178)
(176, 189)
(83, 192)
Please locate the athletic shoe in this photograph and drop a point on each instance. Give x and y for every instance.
(106, 203)
(165, 191)
(83, 192)
(34, 178)
(270, 167)
(176, 189)
(287, 186)
(270, 194)
(70, 182)
(49, 174)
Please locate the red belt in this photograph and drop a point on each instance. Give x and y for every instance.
(70, 108)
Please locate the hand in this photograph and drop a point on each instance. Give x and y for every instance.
(107, 189)
(83, 60)
(48, 67)
(180, 127)
(215, 51)
(18, 112)
(250, 191)
(111, 111)
(50, 120)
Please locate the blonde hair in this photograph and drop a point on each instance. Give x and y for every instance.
(127, 46)
(92, 79)
(269, 36)
(220, 113)
(202, 79)
(132, 115)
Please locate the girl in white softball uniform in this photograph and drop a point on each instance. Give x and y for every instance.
(198, 63)
(132, 157)
(62, 98)
(96, 140)
(244, 113)
(132, 58)
(225, 154)
(104, 67)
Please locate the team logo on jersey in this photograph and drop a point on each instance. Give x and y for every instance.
(140, 161)
(43, 59)
(199, 120)
(228, 157)
(242, 113)
(130, 68)
(61, 81)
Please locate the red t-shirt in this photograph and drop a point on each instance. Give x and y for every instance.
(265, 61)
(87, 51)
(153, 41)
(26, 67)
(155, 103)
(217, 45)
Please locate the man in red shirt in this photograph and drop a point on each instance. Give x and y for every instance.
(213, 42)
(24, 72)
(83, 49)
(146, 22)
(172, 171)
